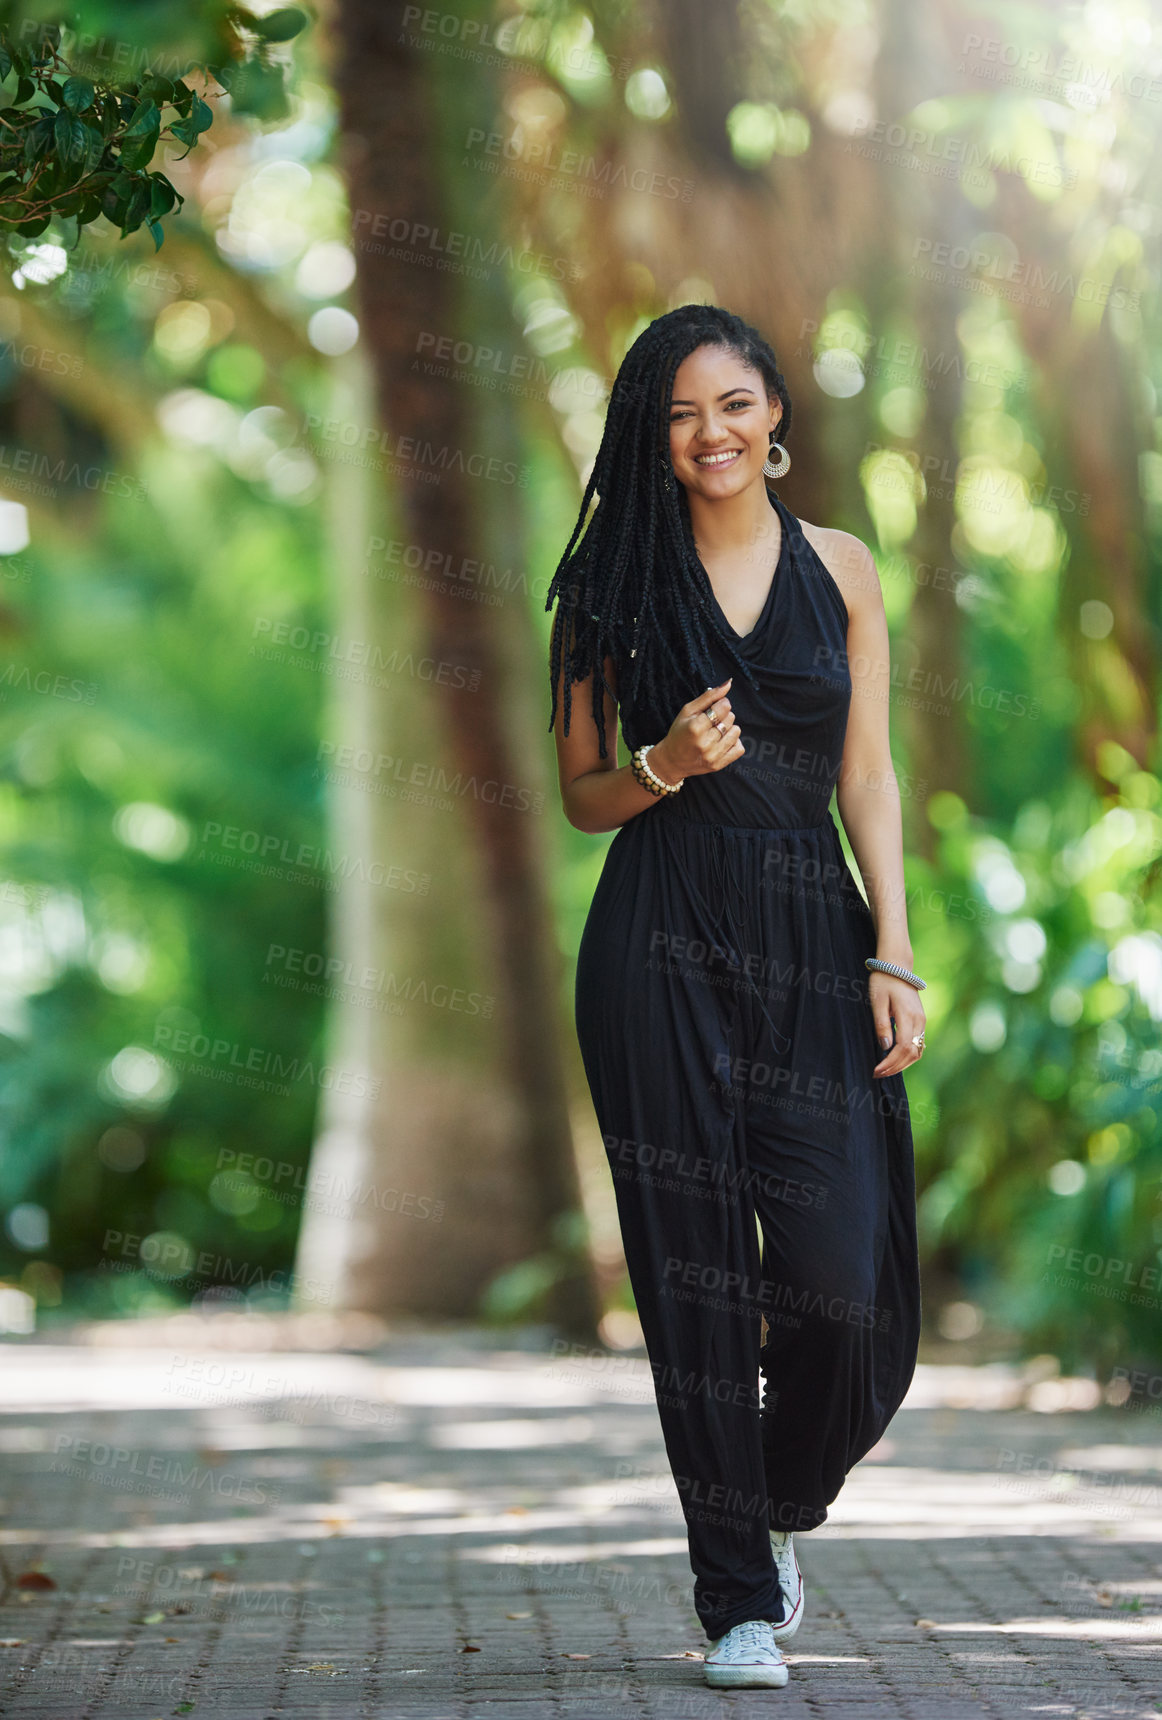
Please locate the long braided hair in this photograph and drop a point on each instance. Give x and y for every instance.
(634, 588)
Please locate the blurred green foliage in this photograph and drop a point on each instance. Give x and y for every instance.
(160, 799)
(1041, 1182)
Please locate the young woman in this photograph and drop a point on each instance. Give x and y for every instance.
(744, 1015)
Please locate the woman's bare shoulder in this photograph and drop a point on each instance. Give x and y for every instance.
(847, 559)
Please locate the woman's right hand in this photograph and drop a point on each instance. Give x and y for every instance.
(694, 744)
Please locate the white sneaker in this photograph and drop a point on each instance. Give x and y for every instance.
(791, 1583)
(746, 1655)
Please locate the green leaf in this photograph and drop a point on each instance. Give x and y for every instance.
(70, 137)
(78, 94)
(38, 138)
(116, 195)
(161, 89)
(200, 119)
(25, 89)
(53, 177)
(11, 210)
(161, 195)
(31, 228)
(146, 119)
(156, 234)
(138, 151)
(280, 26)
(95, 149)
(5, 60)
(135, 210)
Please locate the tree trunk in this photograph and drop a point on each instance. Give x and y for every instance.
(1092, 403)
(916, 57)
(473, 1110)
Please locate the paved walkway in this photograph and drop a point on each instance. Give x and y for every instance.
(434, 1526)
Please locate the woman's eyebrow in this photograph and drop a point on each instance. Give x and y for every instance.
(741, 389)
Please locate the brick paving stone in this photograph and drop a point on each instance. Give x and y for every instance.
(441, 1527)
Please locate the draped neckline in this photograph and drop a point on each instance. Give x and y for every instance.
(744, 638)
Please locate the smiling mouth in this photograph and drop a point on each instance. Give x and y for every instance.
(724, 459)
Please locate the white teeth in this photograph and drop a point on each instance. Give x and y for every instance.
(717, 459)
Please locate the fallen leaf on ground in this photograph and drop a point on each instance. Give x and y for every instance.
(153, 1618)
(518, 1615)
(576, 1657)
(926, 1624)
(470, 1648)
(34, 1580)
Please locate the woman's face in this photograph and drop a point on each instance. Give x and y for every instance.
(720, 423)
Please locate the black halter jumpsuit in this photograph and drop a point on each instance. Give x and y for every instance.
(723, 1018)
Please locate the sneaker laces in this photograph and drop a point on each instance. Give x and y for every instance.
(786, 1566)
(783, 1549)
(748, 1639)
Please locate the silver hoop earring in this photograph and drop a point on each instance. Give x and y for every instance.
(784, 464)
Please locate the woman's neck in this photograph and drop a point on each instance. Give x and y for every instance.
(733, 523)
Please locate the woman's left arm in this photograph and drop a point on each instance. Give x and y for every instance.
(868, 798)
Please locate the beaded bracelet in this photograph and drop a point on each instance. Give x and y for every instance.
(647, 778)
(898, 971)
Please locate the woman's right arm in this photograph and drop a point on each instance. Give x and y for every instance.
(597, 793)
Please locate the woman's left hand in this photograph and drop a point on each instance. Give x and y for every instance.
(895, 1000)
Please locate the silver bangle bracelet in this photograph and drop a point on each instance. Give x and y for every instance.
(898, 971)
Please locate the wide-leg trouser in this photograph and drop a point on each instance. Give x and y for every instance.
(723, 1019)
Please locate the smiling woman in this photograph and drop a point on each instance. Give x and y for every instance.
(745, 653)
(719, 440)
